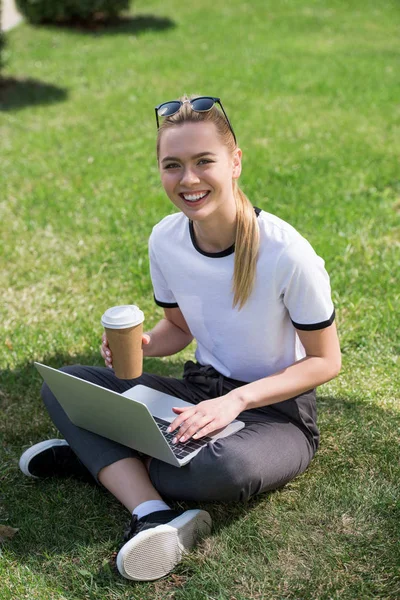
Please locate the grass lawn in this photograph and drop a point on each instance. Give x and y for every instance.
(312, 89)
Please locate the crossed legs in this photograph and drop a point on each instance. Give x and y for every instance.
(128, 480)
(266, 454)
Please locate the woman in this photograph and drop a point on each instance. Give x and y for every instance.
(255, 296)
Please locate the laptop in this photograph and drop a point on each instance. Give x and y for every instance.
(137, 418)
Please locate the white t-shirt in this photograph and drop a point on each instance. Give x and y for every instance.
(292, 290)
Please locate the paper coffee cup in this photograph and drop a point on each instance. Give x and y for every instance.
(124, 330)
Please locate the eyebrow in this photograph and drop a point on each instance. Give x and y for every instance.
(199, 155)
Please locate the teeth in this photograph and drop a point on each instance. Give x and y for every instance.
(194, 197)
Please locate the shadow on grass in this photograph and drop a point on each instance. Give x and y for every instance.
(58, 516)
(17, 93)
(114, 26)
(20, 392)
(65, 517)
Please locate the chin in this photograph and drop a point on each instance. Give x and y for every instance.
(198, 213)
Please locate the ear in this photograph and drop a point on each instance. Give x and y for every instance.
(237, 164)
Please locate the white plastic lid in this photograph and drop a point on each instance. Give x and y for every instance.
(122, 317)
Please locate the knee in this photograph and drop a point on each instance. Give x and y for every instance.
(71, 369)
(46, 393)
(237, 475)
(233, 476)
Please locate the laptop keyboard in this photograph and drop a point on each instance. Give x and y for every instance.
(180, 449)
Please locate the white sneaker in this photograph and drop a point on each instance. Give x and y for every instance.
(156, 543)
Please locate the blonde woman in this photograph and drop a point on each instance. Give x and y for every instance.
(256, 298)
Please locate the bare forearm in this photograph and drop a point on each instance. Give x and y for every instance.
(166, 339)
(292, 381)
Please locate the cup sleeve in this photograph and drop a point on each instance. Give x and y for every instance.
(304, 287)
(163, 296)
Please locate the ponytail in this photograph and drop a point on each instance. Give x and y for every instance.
(247, 243)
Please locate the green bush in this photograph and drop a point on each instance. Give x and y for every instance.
(2, 42)
(53, 11)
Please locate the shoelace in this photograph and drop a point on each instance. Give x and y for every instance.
(157, 518)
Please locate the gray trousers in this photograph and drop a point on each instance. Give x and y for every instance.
(266, 454)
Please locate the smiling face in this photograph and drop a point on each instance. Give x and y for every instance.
(197, 170)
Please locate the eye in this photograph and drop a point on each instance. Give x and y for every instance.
(205, 161)
(171, 166)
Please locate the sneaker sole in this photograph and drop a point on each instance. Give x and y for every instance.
(33, 451)
(153, 553)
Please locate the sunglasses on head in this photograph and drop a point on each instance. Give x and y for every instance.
(200, 104)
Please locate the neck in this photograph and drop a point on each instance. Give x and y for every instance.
(217, 233)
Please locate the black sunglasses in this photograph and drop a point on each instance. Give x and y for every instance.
(200, 104)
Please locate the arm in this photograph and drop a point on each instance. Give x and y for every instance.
(169, 336)
(321, 363)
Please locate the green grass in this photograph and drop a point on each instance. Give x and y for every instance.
(312, 90)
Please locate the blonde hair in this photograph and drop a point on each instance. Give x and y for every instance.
(247, 238)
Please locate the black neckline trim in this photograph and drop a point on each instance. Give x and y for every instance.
(220, 254)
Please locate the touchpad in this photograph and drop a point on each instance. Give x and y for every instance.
(159, 404)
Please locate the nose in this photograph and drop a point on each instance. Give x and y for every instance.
(189, 177)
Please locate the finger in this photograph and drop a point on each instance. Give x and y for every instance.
(174, 425)
(107, 356)
(207, 430)
(104, 342)
(185, 428)
(145, 339)
(180, 409)
(179, 420)
(192, 426)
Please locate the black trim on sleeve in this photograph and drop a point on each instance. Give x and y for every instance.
(166, 304)
(315, 326)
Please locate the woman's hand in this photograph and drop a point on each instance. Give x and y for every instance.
(205, 418)
(105, 350)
